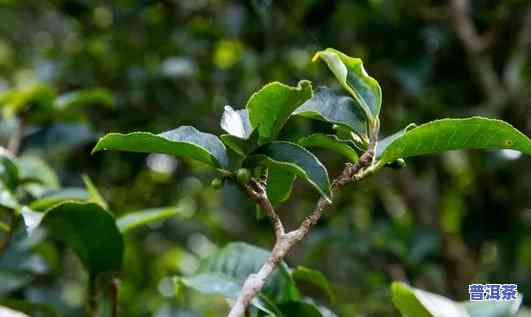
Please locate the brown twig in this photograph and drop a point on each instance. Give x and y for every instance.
(286, 240)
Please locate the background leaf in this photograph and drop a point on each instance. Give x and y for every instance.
(90, 231)
(237, 260)
(457, 134)
(270, 107)
(136, 219)
(304, 274)
(184, 141)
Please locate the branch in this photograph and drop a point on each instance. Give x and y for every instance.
(257, 191)
(475, 46)
(285, 241)
(512, 73)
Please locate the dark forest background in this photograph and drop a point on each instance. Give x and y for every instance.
(444, 222)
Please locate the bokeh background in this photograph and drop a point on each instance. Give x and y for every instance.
(444, 222)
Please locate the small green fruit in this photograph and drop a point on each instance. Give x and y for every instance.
(216, 183)
(243, 175)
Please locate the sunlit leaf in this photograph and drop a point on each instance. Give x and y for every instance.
(236, 122)
(185, 141)
(270, 107)
(456, 134)
(351, 74)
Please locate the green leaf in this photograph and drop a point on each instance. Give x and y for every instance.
(331, 142)
(418, 303)
(237, 260)
(90, 231)
(352, 76)
(270, 107)
(8, 312)
(221, 284)
(39, 96)
(415, 302)
(330, 106)
(185, 141)
(85, 97)
(294, 159)
(55, 197)
(303, 274)
(279, 184)
(236, 122)
(136, 219)
(385, 142)
(9, 172)
(94, 194)
(33, 309)
(43, 177)
(297, 308)
(7, 198)
(456, 134)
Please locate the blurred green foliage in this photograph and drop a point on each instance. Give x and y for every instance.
(441, 224)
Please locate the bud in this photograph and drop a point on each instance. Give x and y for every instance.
(216, 183)
(243, 175)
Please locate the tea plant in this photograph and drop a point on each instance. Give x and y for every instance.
(252, 156)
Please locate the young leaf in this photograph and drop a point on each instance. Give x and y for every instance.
(236, 122)
(303, 274)
(136, 219)
(331, 142)
(414, 302)
(456, 134)
(185, 141)
(90, 231)
(94, 194)
(330, 106)
(352, 76)
(294, 159)
(270, 107)
(279, 184)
